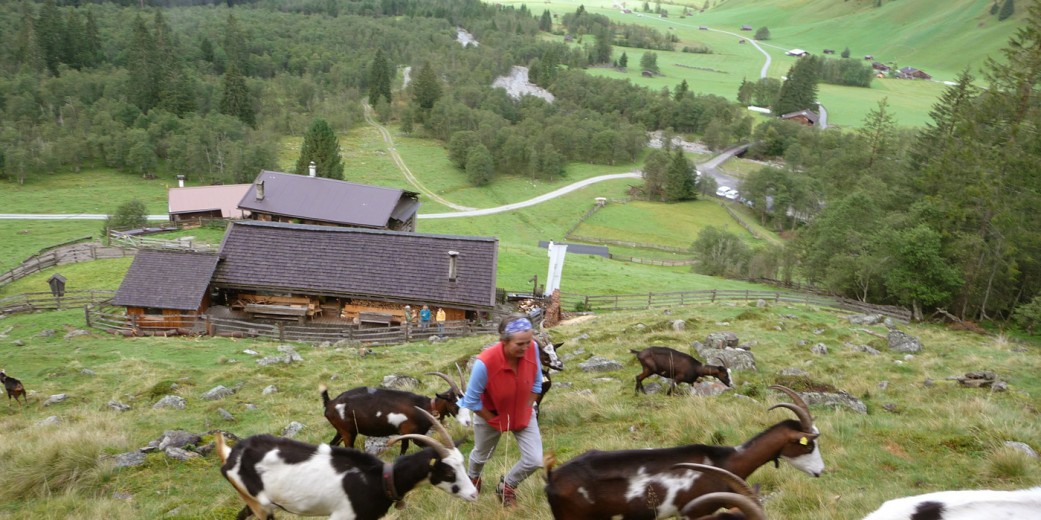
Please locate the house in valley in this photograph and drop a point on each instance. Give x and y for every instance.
(364, 276)
(307, 199)
(166, 289)
(912, 73)
(803, 117)
(205, 202)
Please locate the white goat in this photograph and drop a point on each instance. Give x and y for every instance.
(1024, 504)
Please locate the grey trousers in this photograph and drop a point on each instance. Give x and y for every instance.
(486, 438)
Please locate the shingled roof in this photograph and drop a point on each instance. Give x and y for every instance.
(358, 263)
(166, 280)
(329, 200)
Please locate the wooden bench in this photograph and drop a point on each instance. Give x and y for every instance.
(381, 318)
(277, 312)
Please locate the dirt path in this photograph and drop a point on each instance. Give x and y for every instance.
(409, 176)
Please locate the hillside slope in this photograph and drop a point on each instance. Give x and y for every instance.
(941, 37)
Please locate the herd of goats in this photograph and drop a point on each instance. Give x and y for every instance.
(695, 482)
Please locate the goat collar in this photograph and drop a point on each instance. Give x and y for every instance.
(388, 482)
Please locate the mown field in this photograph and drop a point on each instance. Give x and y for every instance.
(921, 436)
(940, 37)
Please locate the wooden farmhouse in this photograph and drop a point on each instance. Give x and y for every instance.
(166, 289)
(199, 202)
(307, 199)
(803, 117)
(912, 73)
(337, 274)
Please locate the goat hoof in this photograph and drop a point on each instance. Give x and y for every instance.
(400, 504)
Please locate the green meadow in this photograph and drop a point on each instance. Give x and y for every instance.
(922, 431)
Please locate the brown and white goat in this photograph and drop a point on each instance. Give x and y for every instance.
(741, 503)
(643, 484)
(383, 412)
(676, 366)
(13, 387)
(272, 473)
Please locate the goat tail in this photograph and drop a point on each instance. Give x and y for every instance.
(548, 461)
(222, 449)
(325, 395)
(637, 352)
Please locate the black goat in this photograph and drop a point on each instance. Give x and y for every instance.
(645, 484)
(383, 412)
(276, 473)
(13, 387)
(676, 366)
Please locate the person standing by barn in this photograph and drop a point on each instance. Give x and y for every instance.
(503, 385)
(424, 317)
(440, 319)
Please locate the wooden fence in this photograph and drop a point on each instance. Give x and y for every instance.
(651, 261)
(617, 302)
(69, 254)
(142, 242)
(29, 302)
(637, 245)
(115, 320)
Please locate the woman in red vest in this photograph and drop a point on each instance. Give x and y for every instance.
(504, 382)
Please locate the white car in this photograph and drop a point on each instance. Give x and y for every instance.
(722, 191)
(732, 194)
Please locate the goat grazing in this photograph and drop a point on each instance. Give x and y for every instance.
(272, 472)
(676, 366)
(550, 361)
(13, 387)
(963, 505)
(644, 484)
(383, 412)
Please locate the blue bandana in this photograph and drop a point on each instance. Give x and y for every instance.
(518, 325)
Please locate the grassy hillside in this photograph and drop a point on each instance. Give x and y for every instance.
(921, 436)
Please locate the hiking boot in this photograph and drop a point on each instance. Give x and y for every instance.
(477, 483)
(507, 493)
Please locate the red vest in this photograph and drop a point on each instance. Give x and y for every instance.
(508, 392)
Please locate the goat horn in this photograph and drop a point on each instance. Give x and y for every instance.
(439, 428)
(804, 417)
(425, 439)
(751, 509)
(455, 389)
(462, 380)
(736, 483)
(791, 393)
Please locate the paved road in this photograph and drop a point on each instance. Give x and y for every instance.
(711, 167)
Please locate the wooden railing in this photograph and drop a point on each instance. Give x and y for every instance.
(142, 242)
(616, 302)
(29, 302)
(67, 254)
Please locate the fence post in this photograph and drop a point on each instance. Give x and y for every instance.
(616, 302)
(586, 306)
(777, 297)
(86, 314)
(713, 300)
(650, 298)
(281, 331)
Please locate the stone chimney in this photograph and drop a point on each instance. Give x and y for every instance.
(453, 265)
(310, 169)
(260, 190)
(180, 181)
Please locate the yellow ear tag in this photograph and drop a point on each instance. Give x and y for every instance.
(804, 441)
(432, 462)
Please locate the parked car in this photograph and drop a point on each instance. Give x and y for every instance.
(722, 191)
(732, 194)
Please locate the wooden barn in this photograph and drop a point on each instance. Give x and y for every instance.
(165, 289)
(340, 274)
(306, 199)
(205, 202)
(803, 117)
(912, 73)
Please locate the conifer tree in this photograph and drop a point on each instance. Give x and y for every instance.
(480, 167)
(379, 78)
(235, 45)
(546, 22)
(878, 131)
(679, 179)
(655, 169)
(426, 90)
(27, 51)
(321, 146)
(143, 87)
(49, 29)
(623, 61)
(1007, 9)
(73, 41)
(799, 91)
(236, 99)
(91, 41)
